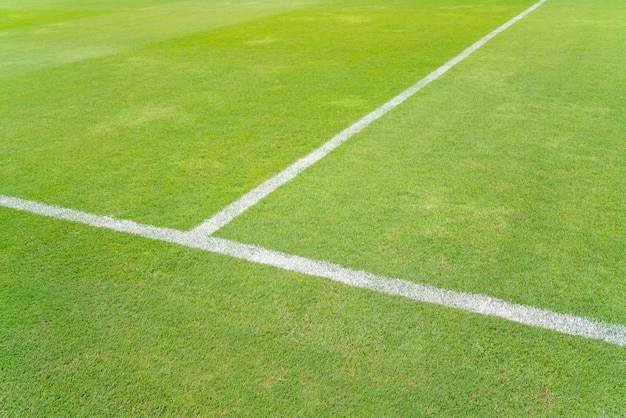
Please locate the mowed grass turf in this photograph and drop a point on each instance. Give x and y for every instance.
(98, 323)
(170, 131)
(506, 177)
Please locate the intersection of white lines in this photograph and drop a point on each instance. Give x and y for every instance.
(485, 305)
(200, 237)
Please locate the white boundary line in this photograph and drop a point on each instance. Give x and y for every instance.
(481, 304)
(230, 212)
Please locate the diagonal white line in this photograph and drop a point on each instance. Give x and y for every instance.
(481, 304)
(230, 212)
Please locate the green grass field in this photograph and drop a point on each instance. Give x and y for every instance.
(505, 177)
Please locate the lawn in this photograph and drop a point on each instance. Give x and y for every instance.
(169, 131)
(505, 177)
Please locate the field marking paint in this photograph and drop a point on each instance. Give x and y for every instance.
(230, 212)
(481, 304)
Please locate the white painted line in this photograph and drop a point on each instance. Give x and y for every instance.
(230, 212)
(147, 231)
(481, 304)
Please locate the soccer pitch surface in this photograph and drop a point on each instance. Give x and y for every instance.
(494, 189)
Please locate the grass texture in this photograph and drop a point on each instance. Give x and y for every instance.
(96, 323)
(505, 177)
(170, 131)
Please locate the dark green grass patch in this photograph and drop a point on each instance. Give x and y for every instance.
(171, 131)
(97, 323)
(506, 177)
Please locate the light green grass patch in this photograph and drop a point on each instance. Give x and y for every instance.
(36, 36)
